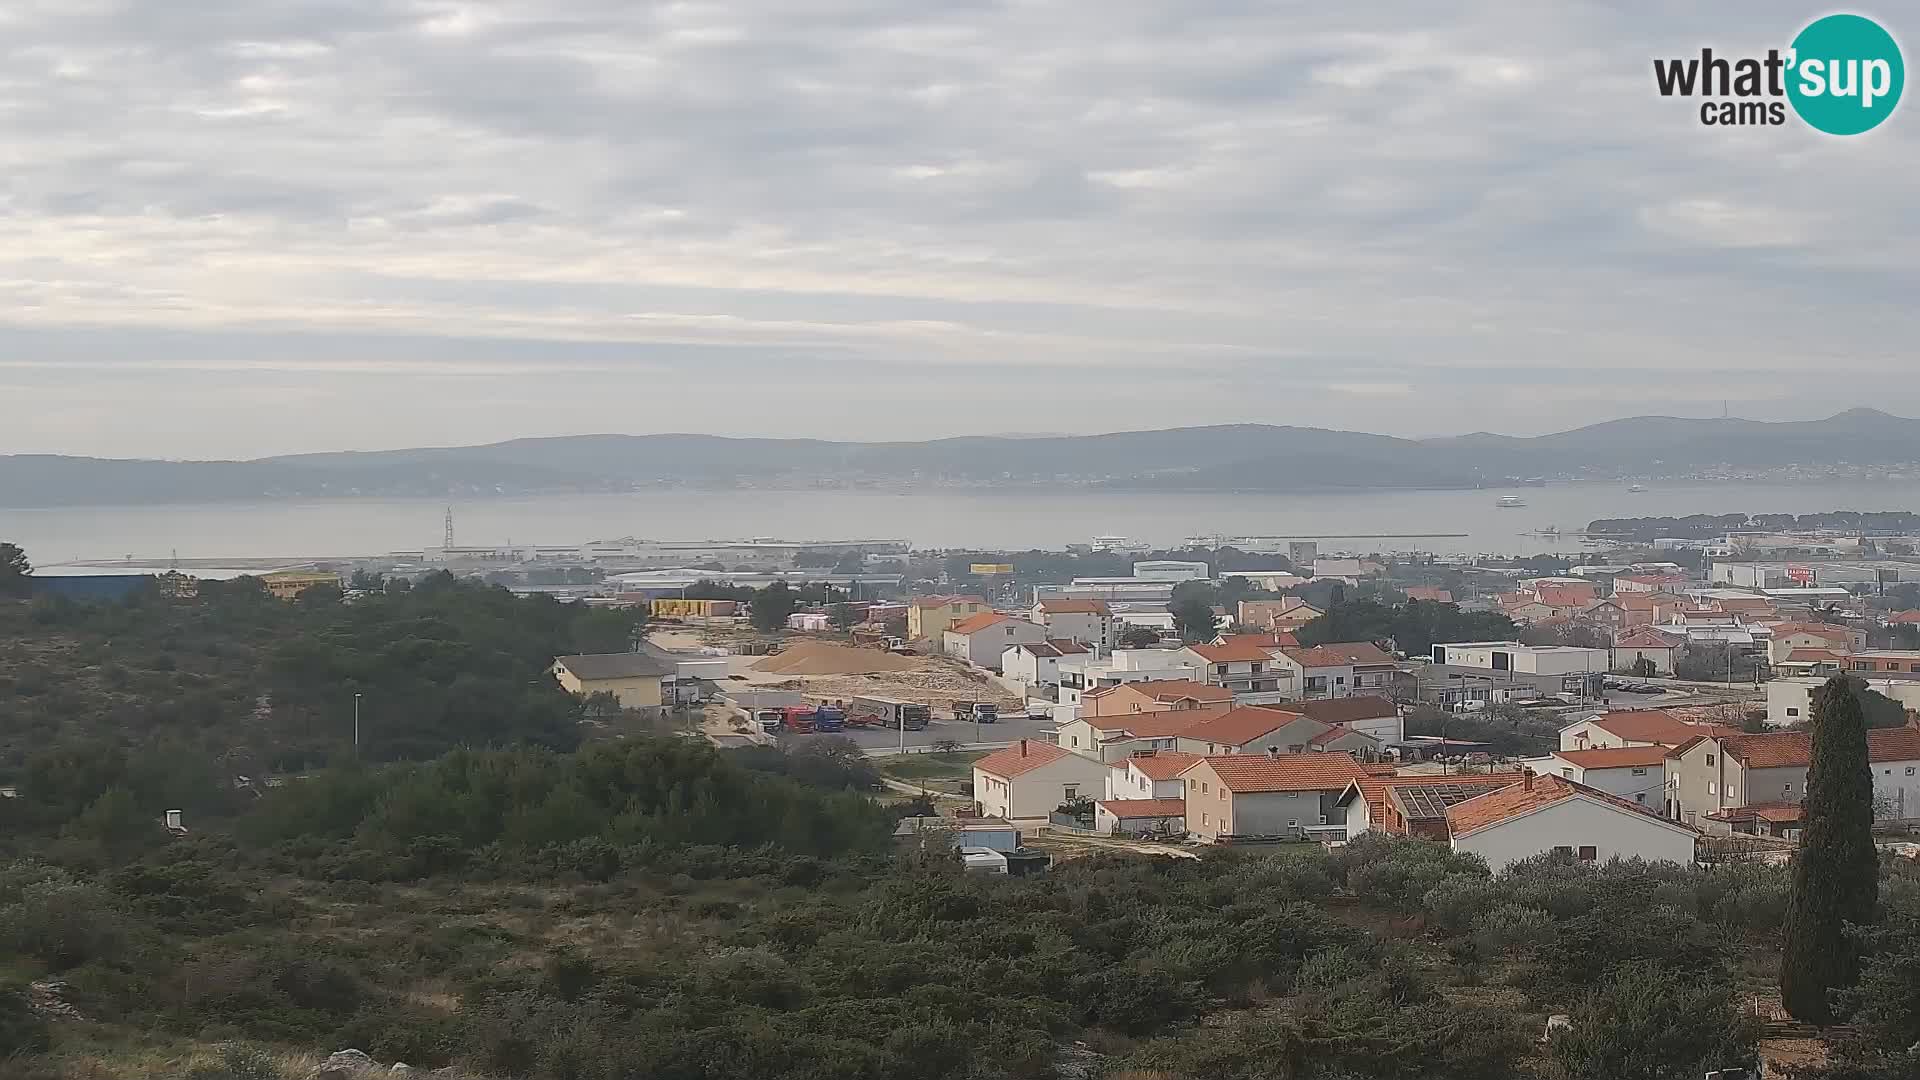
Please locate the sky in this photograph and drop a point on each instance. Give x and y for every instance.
(233, 228)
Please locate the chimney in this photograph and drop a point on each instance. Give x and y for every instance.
(1273, 751)
(1526, 778)
(1023, 748)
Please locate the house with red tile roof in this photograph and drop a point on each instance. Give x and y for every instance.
(1657, 647)
(1251, 729)
(1089, 622)
(1037, 663)
(1635, 773)
(1256, 795)
(929, 616)
(1633, 727)
(1114, 738)
(1542, 814)
(1287, 613)
(1713, 773)
(1150, 774)
(1140, 817)
(1158, 695)
(982, 640)
(1910, 617)
(1428, 593)
(1242, 665)
(1341, 669)
(1031, 778)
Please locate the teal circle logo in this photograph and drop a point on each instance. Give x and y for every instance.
(1846, 74)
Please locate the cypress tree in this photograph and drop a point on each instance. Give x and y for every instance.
(1836, 871)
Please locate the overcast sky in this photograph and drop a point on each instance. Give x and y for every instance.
(242, 227)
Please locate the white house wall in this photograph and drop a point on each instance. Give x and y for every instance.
(1576, 823)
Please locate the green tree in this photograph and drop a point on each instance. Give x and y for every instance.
(1645, 668)
(1139, 637)
(843, 616)
(14, 571)
(1192, 609)
(1836, 871)
(772, 605)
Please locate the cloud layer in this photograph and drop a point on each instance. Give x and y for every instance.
(233, 227)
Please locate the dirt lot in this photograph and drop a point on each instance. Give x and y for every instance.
(936, 680)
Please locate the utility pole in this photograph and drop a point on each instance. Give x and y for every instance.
(356, 725)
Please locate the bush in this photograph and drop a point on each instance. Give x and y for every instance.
(238, 1061)
(1650, 1023)
(21, 1029)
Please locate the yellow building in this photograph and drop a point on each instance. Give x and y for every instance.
(930, 617)
(694, 609)
(633, 678)
(287, 584)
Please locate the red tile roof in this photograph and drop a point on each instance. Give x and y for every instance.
(1819, 630)
(1778, 812)
(1814, 656)
(1246, 774)
(1238, 727)
(1513, 800)
(1615, 757)
(1904, 617)
(1654, 726)
(1564, 595)
(1153, 725)
(1074, 607)
(1144, 808)
(1794, 749)
(1335, 734)
(1427, 592)
(973, 624)
(1345, 710)
(1020, 758)
(1182, 689)
(1646, 638)
(1162, 764)
(1237, 650)
(1340, 654)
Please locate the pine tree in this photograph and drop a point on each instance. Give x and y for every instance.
(1836, 872)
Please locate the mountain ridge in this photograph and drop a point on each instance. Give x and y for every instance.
(1224, 457)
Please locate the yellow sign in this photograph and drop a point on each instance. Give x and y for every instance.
(992, 568)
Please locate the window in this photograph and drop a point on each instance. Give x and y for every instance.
(1070, 792)
(1639, 772)
(1588, 853)
(1567, 772)
(1640, 796)
(1711, 789)
(1340, 680)
(1293, 824)
(1203, 787)
(1203, 819)
(1709, 761)
(1074, 739)
(1257, 668)
(1323, 819)
(1219, 669)
(1563, 849)
(1793, 712)
(1909, 770)
(1786, 789)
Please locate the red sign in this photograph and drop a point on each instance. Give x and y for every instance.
(1801, 574)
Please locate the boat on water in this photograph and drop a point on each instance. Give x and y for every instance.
(1636, 487)
(1509, 502)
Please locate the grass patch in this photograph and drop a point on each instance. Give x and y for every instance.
(955, 766)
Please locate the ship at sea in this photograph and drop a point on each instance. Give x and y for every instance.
(1510, 502)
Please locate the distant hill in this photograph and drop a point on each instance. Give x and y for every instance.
(1233, 457)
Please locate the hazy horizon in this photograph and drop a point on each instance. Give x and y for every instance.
(235, 230)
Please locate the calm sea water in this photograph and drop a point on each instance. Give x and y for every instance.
(348, 527)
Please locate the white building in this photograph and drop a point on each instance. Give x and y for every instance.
(1523, 659)
(1150, 775)
(1790, 701)
(1553, 814)
(1634, 727)
(1171, 570)
(1089, 622)
(981, 640)
(1030, 779)
(1139, 817)
(1080, 674)
(1037, 663)
(1637, 774)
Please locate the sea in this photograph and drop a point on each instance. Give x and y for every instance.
(1442, 522)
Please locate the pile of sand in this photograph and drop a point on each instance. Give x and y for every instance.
(825, 658)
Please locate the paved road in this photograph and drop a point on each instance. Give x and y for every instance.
(983, 736)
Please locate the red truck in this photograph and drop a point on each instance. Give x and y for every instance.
(797, 719)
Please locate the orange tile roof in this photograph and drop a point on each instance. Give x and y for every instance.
(1654, 726)
(1513, 800)
(1782, 813)
(1246, 774)
(1335, 734)
(1021, 758)
(1152, 725)
(1904, 617)
(1344, 710)
(1814, 656)
(1145, 808)
(1564, 595)
(1057, 647)
(1615, 757)
(973, 624)
(1237, 727)
(1074, 607)
(1375, 789)
(1181, 689)
(1340, 654)
(1646, 638)
(1794, 749)
(1236, 650)
(1429, 593)
(1162, 764)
